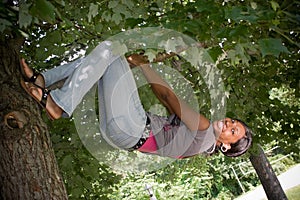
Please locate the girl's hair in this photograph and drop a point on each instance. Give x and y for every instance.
(242, 145)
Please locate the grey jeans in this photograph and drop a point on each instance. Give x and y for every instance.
(122, 116)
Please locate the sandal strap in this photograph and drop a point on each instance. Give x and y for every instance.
(45, 93)
(33, 78)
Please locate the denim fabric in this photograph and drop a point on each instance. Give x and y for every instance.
(122, 117)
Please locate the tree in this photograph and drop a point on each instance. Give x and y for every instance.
(255, 43)
(266, 175)
(28, 166)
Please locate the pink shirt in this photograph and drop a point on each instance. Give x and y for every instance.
(150, 145)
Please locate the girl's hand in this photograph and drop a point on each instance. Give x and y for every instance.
(136, 60)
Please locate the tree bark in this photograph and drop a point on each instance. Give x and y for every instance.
(28, 168)
(266, 175)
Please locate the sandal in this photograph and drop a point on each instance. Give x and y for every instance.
(43, 101)
(33, 78)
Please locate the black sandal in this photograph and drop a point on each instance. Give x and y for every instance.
(43, 101)
(33, 78)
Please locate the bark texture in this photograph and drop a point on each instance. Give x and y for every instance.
(266, 175)
(28, 168)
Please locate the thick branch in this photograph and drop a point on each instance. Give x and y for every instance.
(266, 175)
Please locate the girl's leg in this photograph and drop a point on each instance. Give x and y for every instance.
(51, 76)
(61, 72)
(86, 74)
(122, 116)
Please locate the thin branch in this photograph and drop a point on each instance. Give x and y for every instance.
(163, 56)
(277, 30)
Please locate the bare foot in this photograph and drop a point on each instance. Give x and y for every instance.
(52, 109)
(28, 72)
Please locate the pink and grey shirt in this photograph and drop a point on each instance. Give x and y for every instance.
(170, 137)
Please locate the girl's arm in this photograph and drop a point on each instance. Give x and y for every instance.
(193, 120)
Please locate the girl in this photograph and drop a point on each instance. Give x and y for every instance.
(123, 121)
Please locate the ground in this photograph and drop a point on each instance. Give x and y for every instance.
(289, 180)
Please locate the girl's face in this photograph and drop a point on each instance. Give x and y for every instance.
(229, 131)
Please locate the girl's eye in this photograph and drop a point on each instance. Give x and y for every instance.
(232, 130)
(232, 120)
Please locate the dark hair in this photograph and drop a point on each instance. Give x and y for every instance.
(242, 145)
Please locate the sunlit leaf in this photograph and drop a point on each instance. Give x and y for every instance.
(242, 32)
(118, 48)
(113, 4)
(93, 11)
(116, 17)
(61, 2)
(128, 3)
(274, 5)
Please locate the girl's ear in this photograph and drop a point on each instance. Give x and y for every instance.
(225, 147)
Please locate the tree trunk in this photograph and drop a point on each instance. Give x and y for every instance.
(266, 175)
(28, 168)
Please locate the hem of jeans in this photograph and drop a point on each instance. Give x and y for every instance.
(46, 79)
(66, 113)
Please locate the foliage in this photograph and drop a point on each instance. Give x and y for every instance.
(84, 176)
(293, 193)
(255, 43)
(200, 178)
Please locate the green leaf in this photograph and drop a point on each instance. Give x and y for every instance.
(128, 3)
(4, 24)
(93, 11)
(99, 28)
(237, 14)
(41, 54)
(106, 15)
(67, 162)
(91, 170)
(113, 4)
(173, 44)
(44, 10)
(117, 18)
(25, 18)
(51, 38)
(122, 9)
(272, 46)
(151, 54)
(61, 2)
(193, 55)
(274, 5)
(233, 13)
(240, 49)
(77, 192)
(253, 5)
(118, 48)
(57, 50)
(215, 52)
(202, 6)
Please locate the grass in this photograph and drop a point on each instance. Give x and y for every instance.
(293, 193)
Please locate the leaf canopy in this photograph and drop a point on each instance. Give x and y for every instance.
(254, 43)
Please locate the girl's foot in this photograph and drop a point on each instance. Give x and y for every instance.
(43, 97)
(31, 76)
